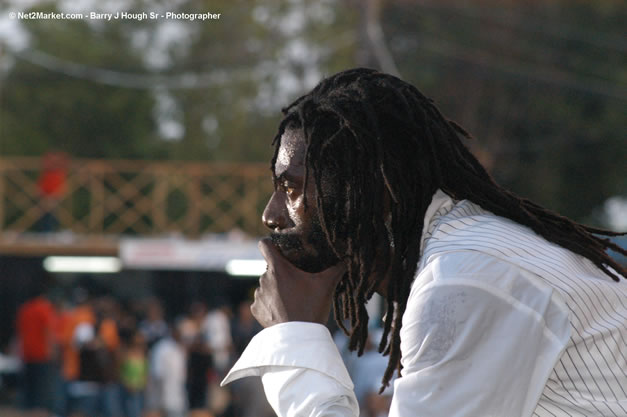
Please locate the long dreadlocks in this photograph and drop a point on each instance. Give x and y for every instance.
(370, 134)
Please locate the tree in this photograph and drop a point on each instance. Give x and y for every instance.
(540, 85)
(43, 109)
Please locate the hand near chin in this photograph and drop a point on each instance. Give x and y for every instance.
(287, 293)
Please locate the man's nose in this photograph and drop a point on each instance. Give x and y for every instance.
(274, 215)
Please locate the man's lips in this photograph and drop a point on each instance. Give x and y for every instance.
(290, 245)
(287, 240)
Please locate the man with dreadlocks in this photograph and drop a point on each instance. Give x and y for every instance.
(495, 305)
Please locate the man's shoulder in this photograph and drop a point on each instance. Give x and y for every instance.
(468, 227)
(36, 306)
(470, 240)
(476, 269)
(484, 280)
(469, 220)
(45, 305)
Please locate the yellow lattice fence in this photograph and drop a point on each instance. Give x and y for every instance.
(104, 197)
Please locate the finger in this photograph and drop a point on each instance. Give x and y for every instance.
(257, 302)
(255, 307)
(266, 281)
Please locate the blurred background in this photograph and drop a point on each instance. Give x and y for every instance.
(134, 166)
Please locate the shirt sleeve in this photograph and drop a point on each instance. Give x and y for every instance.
(478, 343)
(301, 369)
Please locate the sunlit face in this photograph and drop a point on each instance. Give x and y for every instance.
(296, 231)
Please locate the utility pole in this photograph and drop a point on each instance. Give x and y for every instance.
(372, 50)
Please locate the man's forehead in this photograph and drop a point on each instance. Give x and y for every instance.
(291, 155)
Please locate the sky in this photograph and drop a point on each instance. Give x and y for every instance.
(277, 82)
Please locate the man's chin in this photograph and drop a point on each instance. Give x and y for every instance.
(301, 260)
(312, 264)
(293, 250)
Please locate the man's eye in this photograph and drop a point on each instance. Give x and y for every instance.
(289, 190)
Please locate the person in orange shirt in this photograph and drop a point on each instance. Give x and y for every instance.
(52, 187)
(81, 313)
(36, 321)
(91, 324)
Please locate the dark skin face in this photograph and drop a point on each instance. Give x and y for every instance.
(287, 292)
(303, 271)
(296, 229)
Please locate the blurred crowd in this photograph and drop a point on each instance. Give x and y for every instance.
(99, 357)
(367, 372)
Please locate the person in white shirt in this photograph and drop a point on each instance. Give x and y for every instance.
(495, 305)
(216, 329)
(168, 374)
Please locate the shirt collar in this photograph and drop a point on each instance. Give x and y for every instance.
(441, 204)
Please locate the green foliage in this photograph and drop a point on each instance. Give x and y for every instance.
(231, 119)
(541, 86)
(43, 110)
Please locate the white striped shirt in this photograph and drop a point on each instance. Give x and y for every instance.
(590, 377)
(499, 322)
